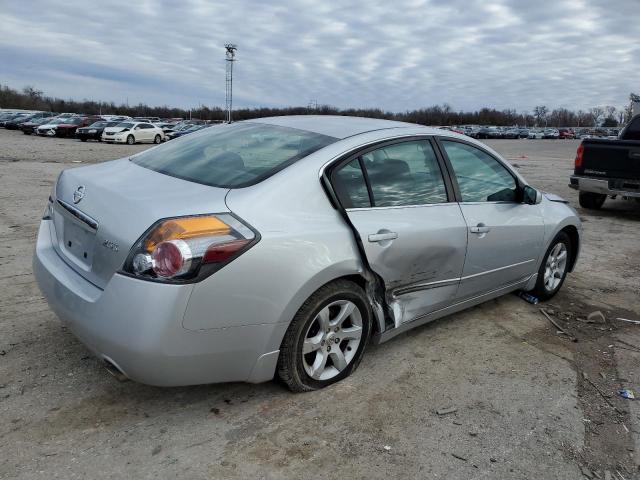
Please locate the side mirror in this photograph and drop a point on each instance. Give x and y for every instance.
(531, 196)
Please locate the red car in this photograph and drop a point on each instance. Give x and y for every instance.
(566, 133)
(66, 127)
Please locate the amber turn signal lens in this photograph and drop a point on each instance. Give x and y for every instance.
(184, 229)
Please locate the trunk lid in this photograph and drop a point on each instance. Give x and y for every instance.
(119, 202)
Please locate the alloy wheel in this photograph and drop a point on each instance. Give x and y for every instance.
(332, 340)
(555, 267)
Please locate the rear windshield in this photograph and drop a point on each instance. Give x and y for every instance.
(232, 156)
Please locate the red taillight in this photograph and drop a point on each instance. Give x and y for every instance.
(171, 258)
(579, 154)
(189, 248)
(221, 252)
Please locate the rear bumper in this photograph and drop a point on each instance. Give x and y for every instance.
(137, 326)
(609, 186)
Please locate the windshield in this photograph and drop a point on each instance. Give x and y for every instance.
(232, 156)
(98, 125)
(125, 125)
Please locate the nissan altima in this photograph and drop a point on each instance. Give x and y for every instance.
(284, 246)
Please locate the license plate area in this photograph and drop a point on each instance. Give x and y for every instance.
(78, 242)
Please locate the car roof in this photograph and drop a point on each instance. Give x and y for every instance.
(338, 126)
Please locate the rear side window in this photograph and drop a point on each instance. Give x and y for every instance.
(232, 156)
(350, 186)
(481, 177)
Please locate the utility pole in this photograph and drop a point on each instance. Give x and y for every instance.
(230, 55)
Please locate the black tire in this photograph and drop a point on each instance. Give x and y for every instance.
(291, 368)
(592, 201)
(541, 291)
(157, 139)
(83, 139)
(131, 140)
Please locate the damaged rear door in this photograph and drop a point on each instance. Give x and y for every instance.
(412, 231)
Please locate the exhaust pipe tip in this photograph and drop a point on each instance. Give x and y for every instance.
(115, 371)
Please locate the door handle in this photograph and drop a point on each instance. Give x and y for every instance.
(383, 236)
(480, 228)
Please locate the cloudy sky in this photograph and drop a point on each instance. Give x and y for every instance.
(396, 55)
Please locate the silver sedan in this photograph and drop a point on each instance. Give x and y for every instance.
(283, 246)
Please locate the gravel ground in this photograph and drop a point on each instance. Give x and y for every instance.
(530, 403)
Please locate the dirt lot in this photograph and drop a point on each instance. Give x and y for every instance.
(530, 403)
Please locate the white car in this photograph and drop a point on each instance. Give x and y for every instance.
(533, 134)
(133, 132)
(49, 129)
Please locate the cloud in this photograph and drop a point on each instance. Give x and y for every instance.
(396, 55)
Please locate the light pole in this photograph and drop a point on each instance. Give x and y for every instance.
(230, 57)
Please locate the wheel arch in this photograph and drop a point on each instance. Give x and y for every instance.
(368, 281)
(574, 236)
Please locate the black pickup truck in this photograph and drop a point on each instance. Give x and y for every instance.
(608, 167)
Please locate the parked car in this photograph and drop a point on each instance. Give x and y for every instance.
(15, 117)
(94, 131)
(453, 129)
(115, 118)
(49, 128)
(489, 132)
(471, 131)
(608, 168)
(523, 133)
(165, 125)
(512, 133)
(535, 134)
(65, 126)
(29, 127)
(566, 133)
(551, 133)
(185, 131)
(16, 122)
(67, 115)
(368, 227)
(583, 133)
(148, 119)
(133, 132)
(180, 127)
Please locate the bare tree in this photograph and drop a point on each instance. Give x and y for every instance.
(32, 92)
(540, 112)
(596, 114)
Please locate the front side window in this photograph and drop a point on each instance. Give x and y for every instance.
(232, 156)
(405, 174)
(481, 178)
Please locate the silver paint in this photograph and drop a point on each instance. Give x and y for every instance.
(229, 326)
